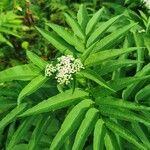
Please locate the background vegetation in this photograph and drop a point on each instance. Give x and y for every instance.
(106, 105)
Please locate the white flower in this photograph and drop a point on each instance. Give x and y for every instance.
(64, 69)
(49, 70)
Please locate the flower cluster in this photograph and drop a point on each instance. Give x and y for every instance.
(64, 69)
(49, 70)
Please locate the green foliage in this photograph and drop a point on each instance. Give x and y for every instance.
(106, 103)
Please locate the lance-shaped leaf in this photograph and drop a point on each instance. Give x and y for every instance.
(36, 60)
(22, 72)
(123, 114)
(85, 129)
(93, 21)
(99, 57)
(124, 133)
(75, 26)
(111, 142)
(33, 86)
(57, 41)
(67, 36)
(112, 38)
(99, 134)
(100, 30)
(71, 123)
(82, 17)
(20, 132)
(120, 103)
(38, 132)
(96, 78)
(12, 115)
(132, 89)
(61, 100)
(143, 94)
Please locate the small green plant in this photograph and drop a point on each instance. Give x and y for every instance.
(87, 83)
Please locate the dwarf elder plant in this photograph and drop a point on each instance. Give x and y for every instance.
(83, 84)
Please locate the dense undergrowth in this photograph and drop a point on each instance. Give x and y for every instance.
(74, 75)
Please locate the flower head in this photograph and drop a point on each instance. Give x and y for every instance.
(49, 70)
(64, 69)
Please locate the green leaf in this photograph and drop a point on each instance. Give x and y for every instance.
(143, 94)
(33, 86)
(38, 132)
(20, 132)
(71, 123)
(119, 84)
(99, 57)
(123, 114)
(22, 72)
(67, 36)
(140, 52)
(120, 103)
(131, 90)
(112, 38)
(99, 134)
(96, 78)
(100, 30)
(56, 102)
(124, 133)
(113, 65)
(146, 43)
(56, 41)
(82, 17)
(111, 142)
(93, 21)
(36, 60)
(75, 26)
(85, 129)
(140, 133)
(12, 115)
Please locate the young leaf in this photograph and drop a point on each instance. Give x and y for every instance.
(57, 42)
(97, 58)
(96, 78)
(22, 72)
(33, 86)
(71, 123)
(112, 38)
(93, 21)
(36, 60)
(56, 102)
(67, 36)
(12, 115)
(99, 134)
(75, 26)
(124, 133)
(82, 17)
(100, 30)
(85, 129)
